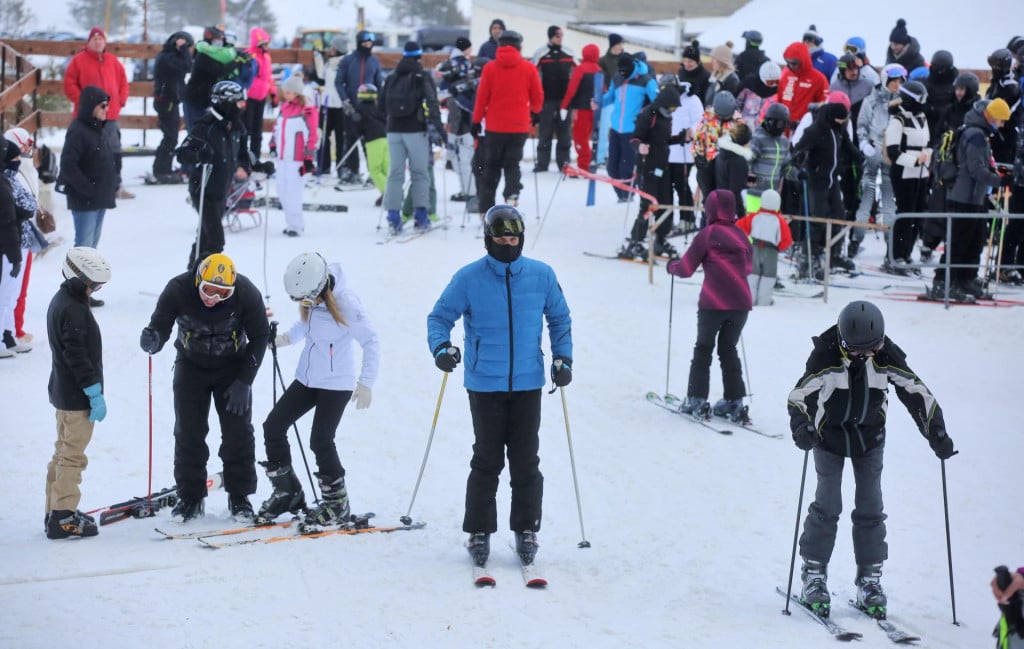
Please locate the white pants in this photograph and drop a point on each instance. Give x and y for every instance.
(290, 186)
(10, 289)
(462, 146)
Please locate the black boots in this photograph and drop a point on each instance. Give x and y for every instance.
(287, 495)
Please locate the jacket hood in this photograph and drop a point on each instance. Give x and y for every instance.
(800, 51)
(591, 53)
(508, 56)
(91, 97)
(408, 64)
(976, 117)
(340, 283)
(720, 206)
(170, 45)
(758, 87)
(640, 68)
(668, 97)
(256, 36)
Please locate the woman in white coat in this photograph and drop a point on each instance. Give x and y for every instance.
(332, 323)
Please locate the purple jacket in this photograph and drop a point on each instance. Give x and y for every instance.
(725, 252)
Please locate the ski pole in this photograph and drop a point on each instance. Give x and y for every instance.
(746, 372)
(807, 235)
(796, 532)
(536, 190)
(149, 482)
(547, 210)
(668, 353)
(407, 519)
(444, 184)
(949, 547)
(347, 153)
(266, 227)
(277, 375)
(584, 543)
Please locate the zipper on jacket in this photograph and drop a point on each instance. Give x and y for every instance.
(330, 354)
(511, 333)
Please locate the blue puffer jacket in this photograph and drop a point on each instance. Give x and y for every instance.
(629, 96)
(355, 69)
(503, 307)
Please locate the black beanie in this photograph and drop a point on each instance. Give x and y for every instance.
(412, 49)
(692, 52)
(626, 64)
(899, 33)
(614, 39)
(462, 43)
(553, 31)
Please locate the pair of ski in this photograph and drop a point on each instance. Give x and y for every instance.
(893, 632)
(148, 506)
(275, 204)
(405, 236)
(632, 260)
(705, 418)
(532, 578)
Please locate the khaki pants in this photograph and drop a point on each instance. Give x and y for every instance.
(64, 472)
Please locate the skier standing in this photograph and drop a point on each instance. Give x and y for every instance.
(769, 233)
(332, 321)
(838, 411)
(222, 336)
(503, 300)
(293, 148)
(76, 389)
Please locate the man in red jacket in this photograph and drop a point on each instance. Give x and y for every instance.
(94, 67)
(509, 93)
(800, 85)
(578, 97)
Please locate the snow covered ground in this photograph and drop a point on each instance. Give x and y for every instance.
(691, 531)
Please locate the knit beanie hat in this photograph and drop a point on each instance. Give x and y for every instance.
(614, 39)
(771, 201)
(294, 84)
(812, 35)
(96, 30)
(462, 43)
(338, 43)
(899, 33)
(998, 109)
(723, 53)
(692, 51)
(625, 65)
(11, 150)
(412, 49)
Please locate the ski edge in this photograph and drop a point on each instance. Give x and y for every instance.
(893, 632)
(838, 632)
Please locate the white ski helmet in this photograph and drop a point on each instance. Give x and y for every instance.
(306, 276)
(87, 264)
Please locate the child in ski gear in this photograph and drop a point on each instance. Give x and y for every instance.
(718, 118)
(222, 336)
(22, 238)
(293, 147)
(769, 158)
(332, 321)
(769, 233)
(724, 252)
(871, 124)
(838, 410)
(368, 122)
(577, 100)
(215, 151)
(732, 165)
(906, 147)
(76, 389)
(759, 90)
(503, 300)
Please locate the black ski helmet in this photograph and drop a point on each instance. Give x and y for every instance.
(226, 92)
(515, 39)
(503, 221)
(1001, 61)
(861, 326)
(913, 96)
(776, 119)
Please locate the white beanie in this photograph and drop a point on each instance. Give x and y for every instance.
(771, 201)
(294, 84)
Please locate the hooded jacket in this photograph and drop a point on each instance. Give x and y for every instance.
(76, 347)
(768, 161)
(103, 70)
(732, 167)
(508, 93)
(328, 359)
(220, 141)
(824, 147)
(503, 308)
(263, 83)
(212, 63)
(941, 97)
(910, 57)
(846, 400)
(654, 128)
(749, 61)
(874, 116)
(296, 131)
(171, 66)
(427, 119)
(629, 96)
(797, 90)
(580, 92)
(974, 161)
(355, 69)
(11, 217)
(725, 253)
(87, 171)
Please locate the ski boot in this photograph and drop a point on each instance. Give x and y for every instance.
(956, 294)
(394, 222)
(839, 262)
(422, 221)
(240, 508)
(870, 596)
(663, 248)
(287, 495)
(697, 407)
(64, 523)
(479, 547)
(852, 248)
(187, 509)
(334, 508)
(731, 409)
(633, 250)
(976, 288)
(814, 594)
(526, 546)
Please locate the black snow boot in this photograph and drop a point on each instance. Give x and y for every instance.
(287, 495)
(334, 508)
(187, 509)
(240, 508)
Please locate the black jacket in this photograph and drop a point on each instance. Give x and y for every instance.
(11, 217)
(170, 67)
(698, 80)
(749, 61)
(219, 141)
(941, 97)
(852, 419)
(233, 332)
(555, 67)
(1004, 141)
(419, 120)
(76, 347)
(87, 173)
(655, 130)
(368, 121)
(975, 173)
(824, 148)
(732, 167)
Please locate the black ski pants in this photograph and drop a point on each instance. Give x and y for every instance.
(502, 154)
(211, 226)
(1013, 238)
(966, 243)
(169, 119)
(659, 186)
(504, 423)
(679, 173)
(351, 137)
(551, 126)
(296, 401)
(911, 196)
(194, 388)
(332, 121)
(726, 327)
(826, 202)
(253, 118)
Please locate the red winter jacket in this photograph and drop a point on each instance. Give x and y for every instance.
(797, 90)
(586, 69)
(509, 91)
(87, 68)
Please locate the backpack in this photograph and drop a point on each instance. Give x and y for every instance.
(404, 94)
(245, 70)
(48, 170)
(946, 165)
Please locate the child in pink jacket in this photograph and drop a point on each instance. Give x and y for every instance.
(262, 90)
(293, 146)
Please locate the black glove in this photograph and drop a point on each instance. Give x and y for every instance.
(942, 445)
(475, 129)
(561, 371)
(447, 356)
(801, 174)
(267, 167)
(535, 118)
(307, 167)
(238, 395)
(806, 437)
(150, 341)
(15, 268)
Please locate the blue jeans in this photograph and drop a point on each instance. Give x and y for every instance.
(88, 226)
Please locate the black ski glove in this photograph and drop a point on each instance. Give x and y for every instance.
(561, 371)
(150, 341)
(806, 437)
(475, 129)
(942, 445)
(238, 395)
(447, 356)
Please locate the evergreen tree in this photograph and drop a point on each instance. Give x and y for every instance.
(14, 17)
(93, 13)
(434, 12)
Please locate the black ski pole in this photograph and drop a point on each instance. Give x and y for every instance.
(668, 354)
(796, 533)
(295, 427)
(536, 187)
(407, 519)
(949, 547)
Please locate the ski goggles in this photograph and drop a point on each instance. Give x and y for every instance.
(863, 353)
(215, 292)
(506, 228)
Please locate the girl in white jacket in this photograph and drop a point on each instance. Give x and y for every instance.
(332, 322)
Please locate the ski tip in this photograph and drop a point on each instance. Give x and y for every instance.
(537, 583)
(482, 582)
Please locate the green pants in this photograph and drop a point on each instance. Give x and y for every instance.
(377, 162)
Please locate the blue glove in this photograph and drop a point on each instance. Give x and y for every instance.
(447, 356)
(561, 372)
(97, 406)
(238, 395)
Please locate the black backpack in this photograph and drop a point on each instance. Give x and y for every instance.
(404, 94)
(47, 165)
